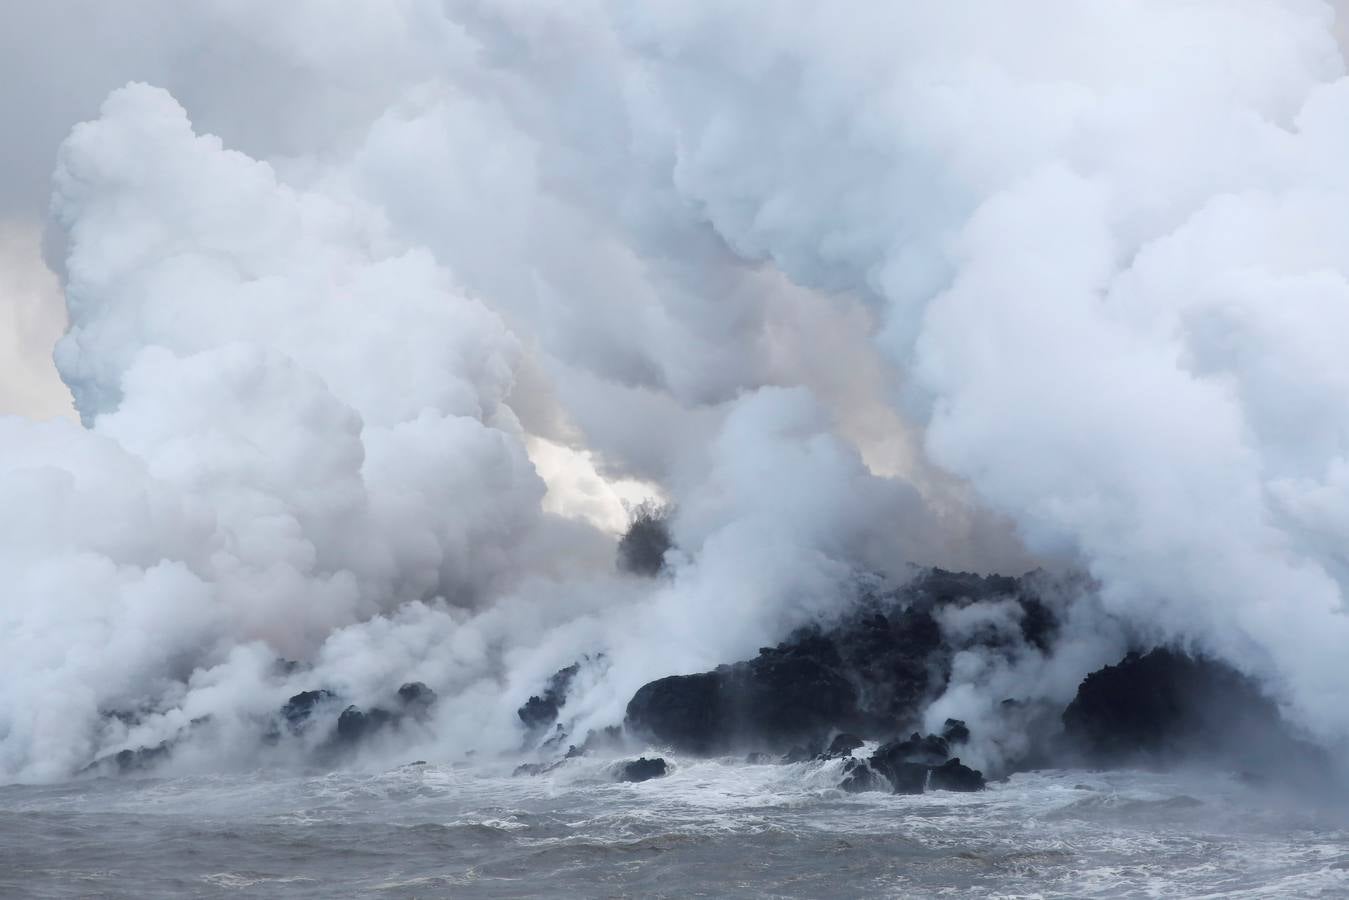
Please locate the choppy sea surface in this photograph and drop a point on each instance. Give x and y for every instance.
(711, 828)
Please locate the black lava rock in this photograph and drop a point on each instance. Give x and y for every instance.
(642, 769)
(930, 750)
(919, 763)
(138, 759)
(300, 707)
(1166, 707)
(141, 758)
(842, 745)
(859, 777)
(954, 776)
(416, 698)
(955, 732)
(787, 694)
(905, 764)
(904, 777)
(354, 725)
(872, 671)
(539, 712)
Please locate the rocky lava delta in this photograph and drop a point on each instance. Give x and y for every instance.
(831, 689)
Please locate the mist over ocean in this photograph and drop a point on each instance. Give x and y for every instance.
(711, 829)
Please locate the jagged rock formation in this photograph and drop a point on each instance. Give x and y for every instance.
(140, 759)
(870, 675)
(916, 764)
(642, 769)
(540, 711)
(301, 707)
(353, 725)
(953, 776)
(842, 745)
(1166, 707)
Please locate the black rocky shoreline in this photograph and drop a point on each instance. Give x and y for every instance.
(869, 678)
(829, 691)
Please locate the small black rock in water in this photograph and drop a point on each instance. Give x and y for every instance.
(919, 763)
(141, 758)
(842, 745)
(952, 775)
(930, 750)
(642, 769)
(859, 777)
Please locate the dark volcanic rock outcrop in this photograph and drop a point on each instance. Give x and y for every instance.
(929, 751)
(955, 732)
(870, 674)
(859, 777)
(842, 745)
(139, 759)
(540, 711)
(1166, 707)
(316, 709)
(954, 776)
(355, 724)
(903, 777)
(919, 763)
(416, 698)
(144, 758)
(795, 692)
(300, 708)
(642, 769)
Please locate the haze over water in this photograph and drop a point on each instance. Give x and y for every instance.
(713, 828)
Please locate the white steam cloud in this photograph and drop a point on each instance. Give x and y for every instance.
(855, 287)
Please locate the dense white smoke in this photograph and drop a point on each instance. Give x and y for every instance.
(856, 286)
(1113, 261)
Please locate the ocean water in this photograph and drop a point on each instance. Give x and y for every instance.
(712, 828)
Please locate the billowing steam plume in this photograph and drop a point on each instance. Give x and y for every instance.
(850, 286)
